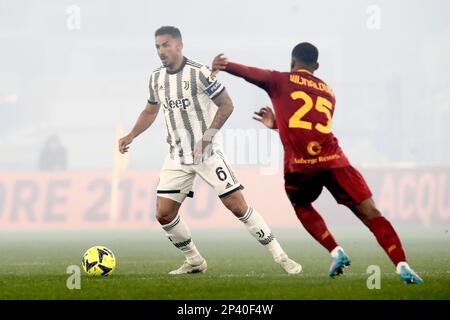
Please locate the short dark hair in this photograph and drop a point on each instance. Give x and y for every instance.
(305, 53)
(173, 31)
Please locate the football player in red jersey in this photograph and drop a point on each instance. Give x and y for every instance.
(313, 159)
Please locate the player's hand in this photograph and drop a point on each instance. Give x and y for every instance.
(124, 143)
(266, 116)
(219, 63)
(200, 149)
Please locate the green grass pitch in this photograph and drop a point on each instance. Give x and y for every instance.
(33, 266)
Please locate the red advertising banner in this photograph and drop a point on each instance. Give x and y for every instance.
(127, 199)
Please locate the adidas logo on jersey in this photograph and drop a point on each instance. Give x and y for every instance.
(228, 185)
(178, 103)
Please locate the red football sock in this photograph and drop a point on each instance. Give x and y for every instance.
(388, 239)
(314, 224)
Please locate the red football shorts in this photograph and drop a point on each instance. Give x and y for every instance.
(346, 185)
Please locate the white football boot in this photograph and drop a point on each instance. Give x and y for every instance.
(289, 265)
(186, 268)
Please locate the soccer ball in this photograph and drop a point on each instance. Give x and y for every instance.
(98, 261)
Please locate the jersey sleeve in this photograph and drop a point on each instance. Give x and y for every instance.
(153, 96)
(265, 79)
(210, 86)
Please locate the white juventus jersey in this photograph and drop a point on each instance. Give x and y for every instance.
(186, 97)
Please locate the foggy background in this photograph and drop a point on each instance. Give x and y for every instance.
(80, 69)
(74, 78)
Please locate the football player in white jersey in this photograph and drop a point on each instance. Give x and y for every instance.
(195, 107)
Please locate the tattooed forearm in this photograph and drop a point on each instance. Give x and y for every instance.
(223, 101)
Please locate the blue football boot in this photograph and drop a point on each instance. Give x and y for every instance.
(338, 263)
(407, 274)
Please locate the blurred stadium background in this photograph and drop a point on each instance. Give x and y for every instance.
(74, 77)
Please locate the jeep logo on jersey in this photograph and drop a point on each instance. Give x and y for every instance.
(178, 103)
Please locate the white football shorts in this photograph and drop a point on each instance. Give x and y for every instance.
(176, 180)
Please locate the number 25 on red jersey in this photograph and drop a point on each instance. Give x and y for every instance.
(322, 105)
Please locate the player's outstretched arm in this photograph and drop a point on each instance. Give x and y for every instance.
(266, 116)
(145, 120)
(260, 77)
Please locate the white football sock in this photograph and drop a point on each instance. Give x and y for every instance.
(260, 230)
(334, 252)
(400, 265)
(180, 235)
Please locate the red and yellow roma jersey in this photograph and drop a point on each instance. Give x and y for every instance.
(304, 107)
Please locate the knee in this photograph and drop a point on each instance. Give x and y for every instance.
(236, 205)
(369, 214)
(303, 210)
(237, 209)
(164, 215)
(372, 213)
